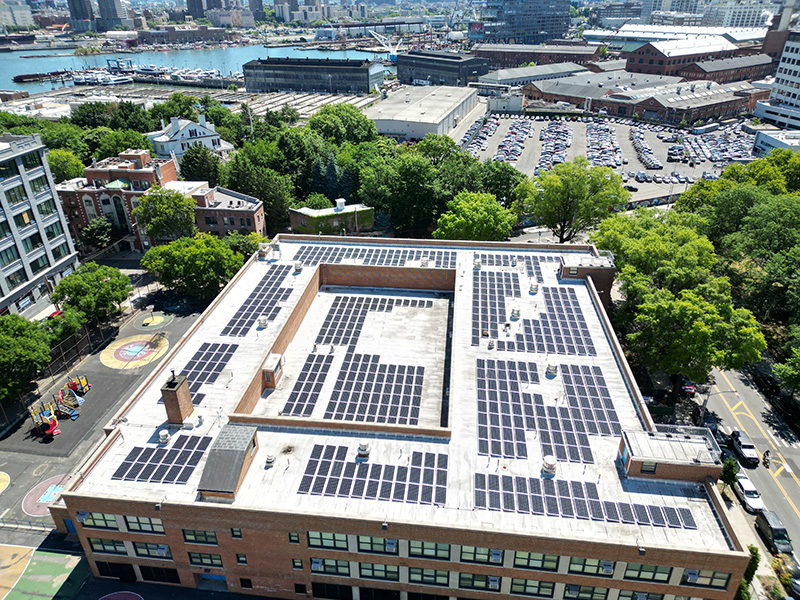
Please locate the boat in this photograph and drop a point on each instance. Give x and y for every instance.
(150, 70)
(33, 77)
(116, 80)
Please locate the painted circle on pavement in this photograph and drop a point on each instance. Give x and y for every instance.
(122, 596)
(152, 321)
(36, 500)
(136, 350)
(5, 479)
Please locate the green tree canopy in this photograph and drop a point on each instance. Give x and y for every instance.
(788, 372)
(121, 140)
(458, 172)
(343, 123)
(183, 106)
(64, 165)
(65, 136)
(244, 243)
(502, 181)
(273, 189)
(199, 266)
(165, 214)
(97, 233)
(315, 201)
(199, 163)
(95, 290)
(474, 216)
(64, 326)
(23, 351)
(436, 148)
(571, 198)
(92, 114)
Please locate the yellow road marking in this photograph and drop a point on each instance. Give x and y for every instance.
(778, 472)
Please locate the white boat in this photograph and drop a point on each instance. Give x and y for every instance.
(150, 70)
(116, 80)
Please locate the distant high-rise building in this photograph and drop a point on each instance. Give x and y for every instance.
(80, 10)
(112, 14)
(213, 4)
(257, 8)
(195, 8)
(528, 22)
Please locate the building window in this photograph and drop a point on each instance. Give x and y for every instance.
(330, 566)
(211, 220)
(236, 533)
(481, 555)
(32, 242)
(429, 550)
(531, 587)
(8, 256)
(205, 560)
(16, 195)
(534, 560)
(335, 541)
(246, 583)
(107, 546)
(297, 563)
(377, 545)
(32, 160)
(152, 550)
(648, 572)
(24, 219)
(428, 576)
(241, 559)
(8, 168)
(60, 252)
(706, 578)
(591, 566)
(39, 185)
(648, 466)
(159, 574)
(585, 592)
(470, 581)
(144, 524)
(16, 278)
(294, 538)
(40, 264)
(628, 595)
(300, 588)
(48, 207)
(101, 521)
(5, 229)
(388, 572)
(196, 536)
(52, 231)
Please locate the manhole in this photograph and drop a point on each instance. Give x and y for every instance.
(40, 470)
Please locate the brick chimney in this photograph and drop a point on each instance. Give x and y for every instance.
(177, 399)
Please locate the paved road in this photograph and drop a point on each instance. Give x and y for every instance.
(739, 405)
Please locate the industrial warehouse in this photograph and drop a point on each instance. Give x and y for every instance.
(409, 420)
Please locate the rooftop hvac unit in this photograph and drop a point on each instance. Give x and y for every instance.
(391, 545)
(163, 436)
(82, 517)
(608, 569)
(162, 550)
(316, 564)
(691, 575)
(263, 321)
(494, 583)
(496, 556)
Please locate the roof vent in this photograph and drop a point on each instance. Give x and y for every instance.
(298, 266)
(423, 261)
(515, 314)
(552, 371)
(513, 261)
(163, 436)
(263, 321)
(270, 461)
(476, 264)
(491, 344)
(549, 464)
(534, 289)
(363, 451)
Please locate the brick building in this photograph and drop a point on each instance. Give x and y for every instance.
(669, 57)
(440, 68)
(173, 34)
(357, 419)
(725, 70)
(505, 56)
(220, 211)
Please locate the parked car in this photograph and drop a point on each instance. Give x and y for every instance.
(768, 385)
(745, 447)
(769, 525)
(748, 494)
(687, 386)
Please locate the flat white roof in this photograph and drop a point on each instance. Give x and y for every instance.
(419, 104)
(458, 414)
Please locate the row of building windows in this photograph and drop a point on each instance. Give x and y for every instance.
(9, 168)
(229, 221)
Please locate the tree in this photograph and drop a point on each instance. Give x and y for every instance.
(121, 140)
(131, 116)
(273, 189)
(729, 470)
(436, 148)
(97, 233)
(314, 200)
(244, 243)
(473, 216)
(95, 290)
(460, 171)
(343, 123)
(752, 565)
(64, 165)
(23, 351)
(571, 198)
(199, 266)
(788, 372)
(63, 326)
(66, 137)
(92, 114)
(165, 214)
(179, 105)
(501, 180)
(199, 163)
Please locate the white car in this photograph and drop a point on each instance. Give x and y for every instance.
(748, 494)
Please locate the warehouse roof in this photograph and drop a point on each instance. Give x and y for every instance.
(611, 65)
(432, 399)
(537, 49)
(424, 104)
(696, 45)
(451, 56)
(598, 85)
(633, 32)
(737, 62)
(534, 72)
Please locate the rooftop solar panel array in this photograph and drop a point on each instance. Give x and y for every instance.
(489, 292)
(504, 411)
(561, 328)
(570, 499)
(308, 386)
(560, 435)
(262, 302)
(344, 320)
(205, 366)
(164, 465)
(368, 390)
(379, 257)
(589, 400)
(423, 480)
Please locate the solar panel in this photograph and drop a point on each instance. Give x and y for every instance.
(307, 387)
(205, 366)
(383, 257)
(159, 465)
(671, 514)
(687, 518)
(263, 301)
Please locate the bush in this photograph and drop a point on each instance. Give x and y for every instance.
(752, 566)
(743, 593)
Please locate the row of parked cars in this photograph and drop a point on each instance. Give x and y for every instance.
(643, 150)
(479, 133)
(602, 147)
(556, 139)
(512, 145)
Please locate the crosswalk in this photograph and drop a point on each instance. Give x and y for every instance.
(785, 439)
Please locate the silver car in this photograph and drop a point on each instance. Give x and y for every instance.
(748, 494)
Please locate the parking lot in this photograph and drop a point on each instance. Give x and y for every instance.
(610, 142)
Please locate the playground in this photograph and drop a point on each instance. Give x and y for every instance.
(66, 404)
(27, 573)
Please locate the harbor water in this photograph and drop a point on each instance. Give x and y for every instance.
(226, 60)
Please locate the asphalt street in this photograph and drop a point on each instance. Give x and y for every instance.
(739, 405)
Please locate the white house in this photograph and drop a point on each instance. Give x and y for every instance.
(180, 134)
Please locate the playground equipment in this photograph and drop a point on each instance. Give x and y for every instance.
(44, 416)
(79, 384)
(68, 403)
